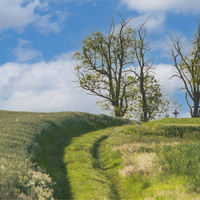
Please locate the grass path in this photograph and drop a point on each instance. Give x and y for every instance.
(52, 160)
(99, 147)
(86, 177)
(92, 167)
(68, 156)
(111, 162)
(96, 161)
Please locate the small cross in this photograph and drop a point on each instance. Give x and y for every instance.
(175, 113)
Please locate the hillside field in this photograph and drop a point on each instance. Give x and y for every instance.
(30, 138)
(72, 155)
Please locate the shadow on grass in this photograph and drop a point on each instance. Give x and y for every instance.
(50, 158)
(53, 143)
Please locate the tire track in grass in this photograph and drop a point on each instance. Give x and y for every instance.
(65, 154)
(86, 175)
(96, 152)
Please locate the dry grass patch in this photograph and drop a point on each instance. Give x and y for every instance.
(128, 147)
(138, 146)
(140, 158)
(143, 163)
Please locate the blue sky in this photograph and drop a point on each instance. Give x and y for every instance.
(38, 38)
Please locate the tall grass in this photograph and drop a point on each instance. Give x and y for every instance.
(183, 160)
(160, 159)
(25, 138)
(74, 155)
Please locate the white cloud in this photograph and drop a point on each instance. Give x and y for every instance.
(9, 71)
(43, 87)
(163, 73)
(24, 52)
(46, 25)
(159, 8)
(15, 16)
(163, 5)
(155, 22)
(186, 115)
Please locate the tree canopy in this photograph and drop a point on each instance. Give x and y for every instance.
(102, 65)
(114, 66)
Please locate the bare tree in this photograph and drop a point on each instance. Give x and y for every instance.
(188, 70)
(149, 99)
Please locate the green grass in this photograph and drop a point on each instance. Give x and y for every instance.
(87, 180)
(155, 160)
(160, 159)
(26, 138)
(73, 155)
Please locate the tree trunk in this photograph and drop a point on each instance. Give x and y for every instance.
(144, 112)
(117, 110)
(144, 102)
(196, 106)
(118, 113)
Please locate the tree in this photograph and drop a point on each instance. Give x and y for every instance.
(148, 97)
(154, 100)
(158, 103)
(115, 67)
(188, 70)
(101, 65)
(140, 48)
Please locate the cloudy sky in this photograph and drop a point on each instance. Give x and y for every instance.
(38, 38)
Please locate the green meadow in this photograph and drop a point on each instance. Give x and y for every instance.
(72, 155)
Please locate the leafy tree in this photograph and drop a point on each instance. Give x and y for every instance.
(148, 98)
(102, 62)
(188, 70)
(140, 48)
(115, 67)
(158, 104)
(153, 98)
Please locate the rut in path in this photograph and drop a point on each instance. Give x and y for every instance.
(96, 152)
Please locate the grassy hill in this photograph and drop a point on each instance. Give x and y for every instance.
(154, 160)
(28, 139)
(73, 155)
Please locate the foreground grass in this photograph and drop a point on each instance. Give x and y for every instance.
(77, 157)
(40, 137)
(87, 178)
(156, 160)
(161, 160)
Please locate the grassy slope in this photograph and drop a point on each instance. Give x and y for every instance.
(156, 160)
(54, 147)
(24, 135)
(159, 159)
